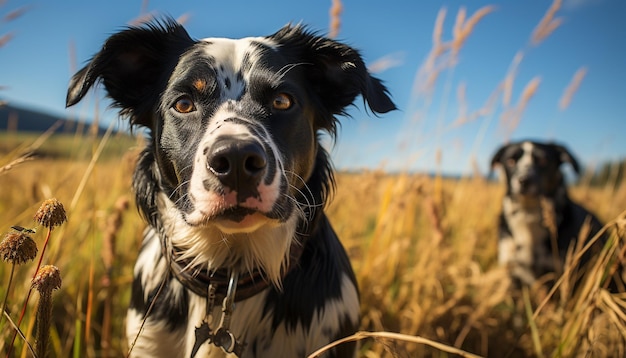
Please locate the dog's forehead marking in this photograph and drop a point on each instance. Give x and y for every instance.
(200, 84)
(233, 60)
(527, 156)
(527, 147)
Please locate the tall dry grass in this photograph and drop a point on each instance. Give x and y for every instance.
(423, 248)
(425, 256)
(85, 313)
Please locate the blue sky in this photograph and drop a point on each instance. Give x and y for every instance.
(35, 67)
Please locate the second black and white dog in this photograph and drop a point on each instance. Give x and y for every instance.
(535, 201)
(239, 256)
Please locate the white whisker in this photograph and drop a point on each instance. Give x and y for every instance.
(285, 69)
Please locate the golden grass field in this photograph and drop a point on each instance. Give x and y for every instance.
(424, 250)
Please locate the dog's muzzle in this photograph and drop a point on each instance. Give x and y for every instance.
(526, 182)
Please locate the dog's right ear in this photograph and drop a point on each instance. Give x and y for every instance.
(131, 65)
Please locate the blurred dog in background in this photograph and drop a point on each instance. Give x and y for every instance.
(539, 222)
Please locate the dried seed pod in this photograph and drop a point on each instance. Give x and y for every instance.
(51, 213)
(18, 248)
(47, 279)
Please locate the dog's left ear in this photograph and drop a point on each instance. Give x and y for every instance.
(336, 71)
(566, 157)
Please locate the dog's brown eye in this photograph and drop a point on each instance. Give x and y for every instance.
(282, 102)
(511, 162)
(184, 105)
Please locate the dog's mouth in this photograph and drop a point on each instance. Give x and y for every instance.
(244, 224)
(232, 220)
(235, 214)
(529, 190)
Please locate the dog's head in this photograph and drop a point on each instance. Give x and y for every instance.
(234, 124)
(532, 168)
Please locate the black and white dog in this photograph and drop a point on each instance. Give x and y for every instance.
(233, 183)
(537, 213)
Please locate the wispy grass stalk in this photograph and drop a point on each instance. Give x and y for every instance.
(20, 333)
(392, 336)
(531, 322)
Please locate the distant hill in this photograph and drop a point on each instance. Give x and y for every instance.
(16, 118)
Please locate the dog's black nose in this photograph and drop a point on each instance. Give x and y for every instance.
(525, 180)
(238, 163)
(527, 183)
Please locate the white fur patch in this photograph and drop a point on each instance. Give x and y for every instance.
(525, 161)
(230, 53)
(209, 248)
(155, 340)
(151, 268)
(149, 263)
(528, 232)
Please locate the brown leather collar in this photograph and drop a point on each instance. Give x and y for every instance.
(248, 285)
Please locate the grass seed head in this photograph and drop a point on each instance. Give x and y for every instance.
(18, 248)
(48, 279)
(51, 213)
(335, 18)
